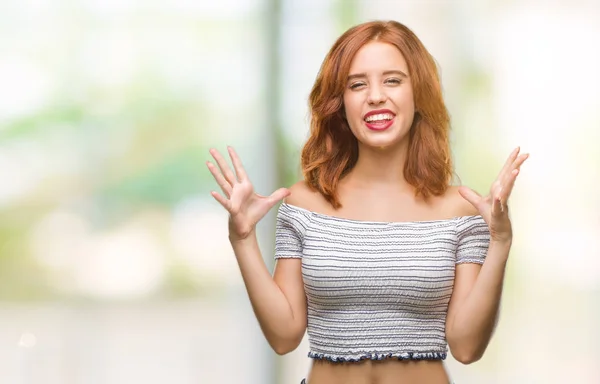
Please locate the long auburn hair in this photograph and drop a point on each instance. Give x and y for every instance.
(332, 150)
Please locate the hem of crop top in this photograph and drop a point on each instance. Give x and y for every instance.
(407, 222)
(379, 356)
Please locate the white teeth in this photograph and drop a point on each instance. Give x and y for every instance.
(380, 117)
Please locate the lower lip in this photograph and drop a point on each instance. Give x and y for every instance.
(380, 127)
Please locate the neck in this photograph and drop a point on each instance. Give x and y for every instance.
(381, 165)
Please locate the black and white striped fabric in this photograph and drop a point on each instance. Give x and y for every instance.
(377, 290)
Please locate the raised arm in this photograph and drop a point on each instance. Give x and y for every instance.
(278, 302)
(474, 307)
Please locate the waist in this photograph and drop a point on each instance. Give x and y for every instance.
(387, 371)
(353, 334)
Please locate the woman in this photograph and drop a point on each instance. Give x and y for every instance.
(379, 257)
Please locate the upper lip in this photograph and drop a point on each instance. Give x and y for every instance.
(379, 111)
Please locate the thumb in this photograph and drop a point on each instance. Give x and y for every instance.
(278, 195)
(470, 195)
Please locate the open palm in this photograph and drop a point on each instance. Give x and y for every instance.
(493, 207)
(246, 208)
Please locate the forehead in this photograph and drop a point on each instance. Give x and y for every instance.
(377, 56)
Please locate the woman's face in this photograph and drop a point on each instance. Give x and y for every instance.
(378, 99)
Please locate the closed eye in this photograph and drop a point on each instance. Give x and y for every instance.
(393, 81)
(356, 85)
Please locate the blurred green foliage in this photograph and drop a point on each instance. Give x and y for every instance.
(146, 153)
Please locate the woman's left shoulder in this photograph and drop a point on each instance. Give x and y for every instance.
(457, 205)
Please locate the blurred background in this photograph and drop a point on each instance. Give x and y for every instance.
(115, 265)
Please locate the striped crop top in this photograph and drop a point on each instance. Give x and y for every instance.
(377, 290)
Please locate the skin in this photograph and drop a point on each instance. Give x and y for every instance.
(374, 190)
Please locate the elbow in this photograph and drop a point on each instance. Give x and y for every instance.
(466, 353)
(284, 347)
(467, 358)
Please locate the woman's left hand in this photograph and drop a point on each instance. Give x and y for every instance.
(493, 207)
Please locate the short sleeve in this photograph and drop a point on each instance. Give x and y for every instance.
(290, 229)
(473, 240)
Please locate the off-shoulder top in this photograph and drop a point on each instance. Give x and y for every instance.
(378, 290)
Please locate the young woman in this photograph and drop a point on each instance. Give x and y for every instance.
(379, 257)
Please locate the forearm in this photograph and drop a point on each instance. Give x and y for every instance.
(475, 320)
(271, 307)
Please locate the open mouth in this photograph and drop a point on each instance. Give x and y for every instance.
(379, 121)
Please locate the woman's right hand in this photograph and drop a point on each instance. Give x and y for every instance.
(246, 208)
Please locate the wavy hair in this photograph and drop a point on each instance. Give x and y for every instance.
(332, 150)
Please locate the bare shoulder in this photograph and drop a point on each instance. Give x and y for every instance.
(303, 196)
(457, 204)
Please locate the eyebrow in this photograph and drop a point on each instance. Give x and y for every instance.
(390, 72)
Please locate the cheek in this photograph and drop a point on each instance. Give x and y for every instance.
(352, 109)
(406, 99)
(349, 105)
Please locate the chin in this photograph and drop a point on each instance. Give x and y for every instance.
(385, 141)
(381, 145)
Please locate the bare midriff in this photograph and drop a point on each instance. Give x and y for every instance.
(389, 371)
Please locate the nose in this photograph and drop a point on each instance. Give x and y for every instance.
(376, 95)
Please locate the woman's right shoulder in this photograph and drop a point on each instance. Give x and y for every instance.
(304, 196)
